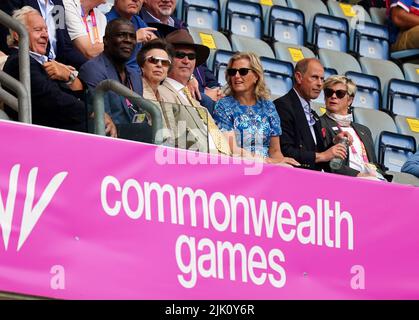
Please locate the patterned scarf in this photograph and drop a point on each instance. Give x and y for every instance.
(341, 120)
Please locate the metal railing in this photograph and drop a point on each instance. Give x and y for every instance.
(137, 100)
(22, 88)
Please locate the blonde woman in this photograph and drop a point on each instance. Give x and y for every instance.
(246, 116)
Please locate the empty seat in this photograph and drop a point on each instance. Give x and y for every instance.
(372, 40)
(278, 76)
(403, 98)
(368, 93)
(291, 53)
(244, 18)
(259, 47)
(286, 25)
(408, 126)
(221, 59)
(378, 15)
(411, 72)
(202, 13)
(330, 32)
(310, 9)
(266, 7)
(376, 121)
(340, 61)
(212, 39)
(394, 149)
(385, 70)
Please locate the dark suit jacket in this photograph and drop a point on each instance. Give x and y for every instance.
(66, 53)
(101, 68)
(296, 139)
(332, 129)
(52, 104)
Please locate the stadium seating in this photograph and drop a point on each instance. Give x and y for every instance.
(201, 13)
(411, 72)
(394, 149)
(372, 40)
(378, 15)
(408, 126)
(221, 58)
(246, 17)
(340, 61)
(403, 98)
(286, 25)
(330, 32)
(368, 94)
(213, 39)
(291, 53)
(261, 48)
(278, 76)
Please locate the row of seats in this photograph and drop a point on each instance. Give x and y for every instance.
(337, 26)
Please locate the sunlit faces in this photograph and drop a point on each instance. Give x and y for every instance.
(335, 104)
(161, 8)
(128, 7)
(38, 33)
(310, 83)
(121, 42)
(183, 68)
(243, 82)
(156, 66)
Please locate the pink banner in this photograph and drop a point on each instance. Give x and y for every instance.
(88, 217)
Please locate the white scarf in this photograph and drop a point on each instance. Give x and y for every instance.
(341, 120)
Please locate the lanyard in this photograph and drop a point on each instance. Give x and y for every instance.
(364, 152)
(94, 23)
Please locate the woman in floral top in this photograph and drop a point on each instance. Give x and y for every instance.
(246, 116)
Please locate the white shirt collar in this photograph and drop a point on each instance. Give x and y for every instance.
(175, 84)
(170, 21)
(40, 58)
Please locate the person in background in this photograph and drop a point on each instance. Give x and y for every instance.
(60, 48)
(247, 118)
(129, 10)
(411, 166)
(86, 25)
(404, 24)
(301, 129)
(339, 92)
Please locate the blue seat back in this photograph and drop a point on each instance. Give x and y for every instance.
(372, 41)
(330, 32)
(287, 25)
(221, 59)
(368, 93)
(403, 98)
(278, 75)
(394, 149)
(244, 18)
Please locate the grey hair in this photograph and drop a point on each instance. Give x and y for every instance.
(335, 79)
(19, 15)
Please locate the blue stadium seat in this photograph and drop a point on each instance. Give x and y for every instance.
(368, 93)
(372, 41)
(258, 46)
(292, 53)
(330, 32)
(244, 18)
(221, 59)
(202, 13)
(403, 98)
(310, 9)
(286, 25)
(278, 76)
(340, 61)
(408, 126)
(411, 72)
(394, 149)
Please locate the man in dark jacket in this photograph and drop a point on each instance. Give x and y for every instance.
(301, 129)
(60, 47)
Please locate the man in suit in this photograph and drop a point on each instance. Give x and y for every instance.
(55, 90)
(201, 130)
(301, 129)
(60, 47)
(119, 43)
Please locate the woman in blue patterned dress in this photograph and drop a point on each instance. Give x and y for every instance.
(246, 116)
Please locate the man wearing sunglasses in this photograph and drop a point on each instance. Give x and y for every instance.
(119, 43)
(201, 129)
(301, 129)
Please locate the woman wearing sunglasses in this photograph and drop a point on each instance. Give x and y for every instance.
(339, 92)
(246, 116)
(154, 59)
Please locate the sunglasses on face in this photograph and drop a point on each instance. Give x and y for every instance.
(181, 55)
(339, 93)
(242, 71)
(155, 60)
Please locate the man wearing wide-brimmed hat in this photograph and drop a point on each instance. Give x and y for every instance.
(174, 90)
